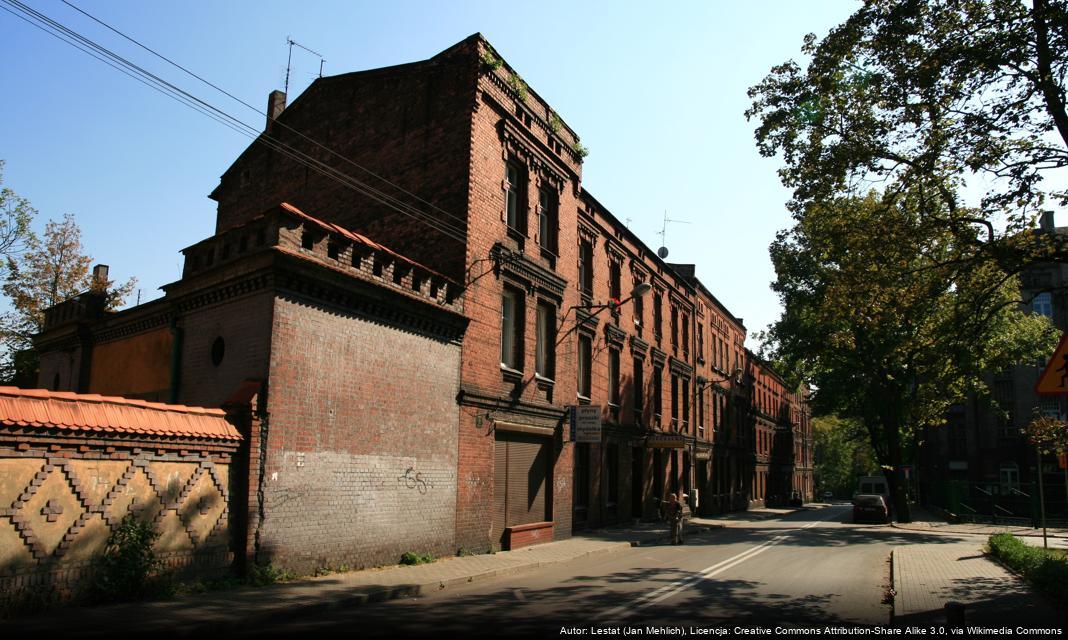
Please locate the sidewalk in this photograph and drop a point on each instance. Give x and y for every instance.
(927, 576)
(228, 610)
(923, 520)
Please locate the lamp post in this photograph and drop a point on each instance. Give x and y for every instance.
(638, 291)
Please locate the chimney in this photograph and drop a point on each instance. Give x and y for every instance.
(100, 274)
(276, 104)
(1046, 222)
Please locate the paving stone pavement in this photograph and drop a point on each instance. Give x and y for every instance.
(927, 576)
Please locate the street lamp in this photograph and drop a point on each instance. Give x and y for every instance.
(734, 377)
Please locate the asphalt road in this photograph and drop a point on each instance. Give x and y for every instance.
(811, 568)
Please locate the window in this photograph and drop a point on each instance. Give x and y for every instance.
(1042, 304)
(686, 334)
(547, 220)
(658, 315)
(674, 401)
(584, 360)
(674, 326)
(615, 290)
(1009, 474)
(511, 330)
(658, 391)
(586, 268)
(639, 313)
(545, 357)
(613, 377)
(700, 342)
(639, 389)
(686, 405)
(514, 206)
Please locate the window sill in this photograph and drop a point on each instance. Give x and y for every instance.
(543, 382)
(582, 399)
(511, 375)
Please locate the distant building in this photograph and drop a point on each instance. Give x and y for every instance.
(418, 348)
(979, 463)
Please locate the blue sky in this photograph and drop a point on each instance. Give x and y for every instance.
(656, 91)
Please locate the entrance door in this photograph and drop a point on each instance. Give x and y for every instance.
(637, 482)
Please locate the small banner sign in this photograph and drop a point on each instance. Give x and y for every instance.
(586, 423)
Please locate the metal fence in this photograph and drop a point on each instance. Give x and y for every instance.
(1001, 504)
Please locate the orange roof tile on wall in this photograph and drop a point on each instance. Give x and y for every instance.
(68, 411)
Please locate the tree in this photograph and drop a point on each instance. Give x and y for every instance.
(934, 94)
(842, 453)
(49, 271)
(16, 213)
(887, 323)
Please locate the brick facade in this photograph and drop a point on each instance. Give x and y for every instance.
(508, 263)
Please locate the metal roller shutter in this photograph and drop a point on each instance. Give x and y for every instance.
(520, 491)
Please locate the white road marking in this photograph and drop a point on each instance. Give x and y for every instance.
(669, 590)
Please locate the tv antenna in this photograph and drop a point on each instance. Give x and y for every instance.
(289, 63)
(663, 251)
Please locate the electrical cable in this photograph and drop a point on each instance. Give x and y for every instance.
(81, 43)
(461, 220)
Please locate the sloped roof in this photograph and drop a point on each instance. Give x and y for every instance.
(93, 413)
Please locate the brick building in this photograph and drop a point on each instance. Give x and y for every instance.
(453, 355)
(979, 463)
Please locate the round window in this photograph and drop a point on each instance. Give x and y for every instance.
(218, 351)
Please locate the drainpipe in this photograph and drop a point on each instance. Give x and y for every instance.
(176, 357)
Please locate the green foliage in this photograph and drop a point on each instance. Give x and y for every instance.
(491, 61)
(516, 84)
(842, 454)
(888, 320)
(580, 149)
(412, 558)
(1047, 569)
(930, 94)
(262, 575)
(1048, 434)
(50, 270)
(129, 569)
(555, 123)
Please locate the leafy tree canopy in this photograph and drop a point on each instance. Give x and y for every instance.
(842, 454)
(931, 93)
(886, 322)
(52, 269)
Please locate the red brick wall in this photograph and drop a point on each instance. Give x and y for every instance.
(244, 324)
(361, 451)
(408, 124)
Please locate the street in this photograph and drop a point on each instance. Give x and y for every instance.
(813, 567)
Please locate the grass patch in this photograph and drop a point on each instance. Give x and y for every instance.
(410, 557)
(1046, 569)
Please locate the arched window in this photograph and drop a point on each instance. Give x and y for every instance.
(1042, 304)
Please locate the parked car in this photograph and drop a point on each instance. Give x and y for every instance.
(828, 495)
(870, 507)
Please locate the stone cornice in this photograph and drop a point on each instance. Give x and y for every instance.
(680, 367)
(638, 346)
(518, 266)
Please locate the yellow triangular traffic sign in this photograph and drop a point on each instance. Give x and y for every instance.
(1054, 379)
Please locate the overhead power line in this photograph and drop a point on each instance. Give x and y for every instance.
(261, 112)
(125, 66)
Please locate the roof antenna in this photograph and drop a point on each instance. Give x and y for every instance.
(663, 251)
(289, 63)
